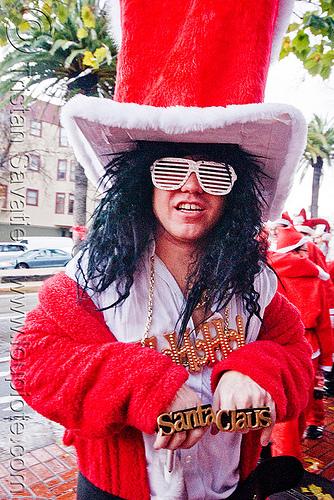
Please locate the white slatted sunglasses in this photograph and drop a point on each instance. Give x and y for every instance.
(172, 173)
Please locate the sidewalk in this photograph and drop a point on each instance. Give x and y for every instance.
(44, 473)
(319, 453)
(50, 472)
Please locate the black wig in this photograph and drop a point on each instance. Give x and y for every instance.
(124, 222)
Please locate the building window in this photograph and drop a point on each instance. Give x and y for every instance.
(74, 164)
(3, 196)
(32, 197)
(62, 166)
(60, 203)
(34, 163)
(71, 203)
(36, 128)
(63, 141)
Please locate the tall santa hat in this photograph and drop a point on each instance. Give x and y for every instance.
(193, 71)
(288, 239)
(307, 226)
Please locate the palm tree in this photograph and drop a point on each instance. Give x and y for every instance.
(320, 147)
(64, 44)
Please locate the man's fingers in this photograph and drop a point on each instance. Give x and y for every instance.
(171, 442)
(192, 437)
(184, 439)
(266, 433)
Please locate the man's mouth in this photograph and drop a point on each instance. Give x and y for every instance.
(189, 207)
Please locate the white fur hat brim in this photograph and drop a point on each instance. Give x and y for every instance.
(275, 133)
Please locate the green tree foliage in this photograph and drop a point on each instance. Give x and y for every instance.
(312, 38)
(65, 42)
(319, 148)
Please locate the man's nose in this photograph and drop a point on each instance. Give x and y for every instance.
(192, 185)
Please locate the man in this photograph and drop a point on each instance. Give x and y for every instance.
(163, 309)
(109, 394)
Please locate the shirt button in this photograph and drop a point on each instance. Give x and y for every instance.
(188, 459)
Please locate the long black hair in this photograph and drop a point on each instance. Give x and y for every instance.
(124, 223)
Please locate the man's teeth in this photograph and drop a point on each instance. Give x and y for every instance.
(188, 206)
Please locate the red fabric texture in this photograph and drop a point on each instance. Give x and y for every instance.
(300, 284)
(106, 392)
(287, 436)
(318, 257)
(330, 265)
(315, 411)
(198, 53)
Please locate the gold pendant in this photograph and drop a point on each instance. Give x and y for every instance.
(224, 341)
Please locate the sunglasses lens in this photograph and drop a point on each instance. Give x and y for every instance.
(216, 179)
(172, 173)
(169, 173)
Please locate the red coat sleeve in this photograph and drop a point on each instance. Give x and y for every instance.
(279, 361)
(323, 331)
(68, 366)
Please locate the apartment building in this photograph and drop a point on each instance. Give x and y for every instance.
(37, 182)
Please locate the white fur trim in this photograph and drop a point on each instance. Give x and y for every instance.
(322, 274)
(305, 229)
(282, 23)
(316, 354)
(326, 237)
(166, 485)
(331, 314)
(325, 368)
(97, 127)
(284, 222)
(298, 220)
(293, 247)
(114, 11)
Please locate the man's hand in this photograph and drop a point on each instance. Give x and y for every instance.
(236, 390)
(184, 399)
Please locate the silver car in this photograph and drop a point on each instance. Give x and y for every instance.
(43, 257)
(11, 250)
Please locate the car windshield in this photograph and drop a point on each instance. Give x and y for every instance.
(30, 253)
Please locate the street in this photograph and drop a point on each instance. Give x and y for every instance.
(20, 426)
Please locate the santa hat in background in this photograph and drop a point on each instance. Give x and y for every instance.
(285, 220)
(307, 226)
(288, 239)
(193, 71)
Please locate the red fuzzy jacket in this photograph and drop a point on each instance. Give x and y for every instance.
(106, 393)
(300, 283)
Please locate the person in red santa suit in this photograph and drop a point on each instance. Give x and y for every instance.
(274, 227)
(170, 304)
(307, 228)
(302, 282)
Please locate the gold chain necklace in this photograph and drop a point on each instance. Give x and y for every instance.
(150, 303)
(201, 303)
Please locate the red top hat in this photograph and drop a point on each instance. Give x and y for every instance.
(288, 239)
(194, 71)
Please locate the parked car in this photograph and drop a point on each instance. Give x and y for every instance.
(36, 242)
(44, 257)
(11, 250)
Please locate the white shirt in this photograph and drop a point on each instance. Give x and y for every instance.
(208, 470)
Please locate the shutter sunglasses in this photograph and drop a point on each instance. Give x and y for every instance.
(172, 173)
